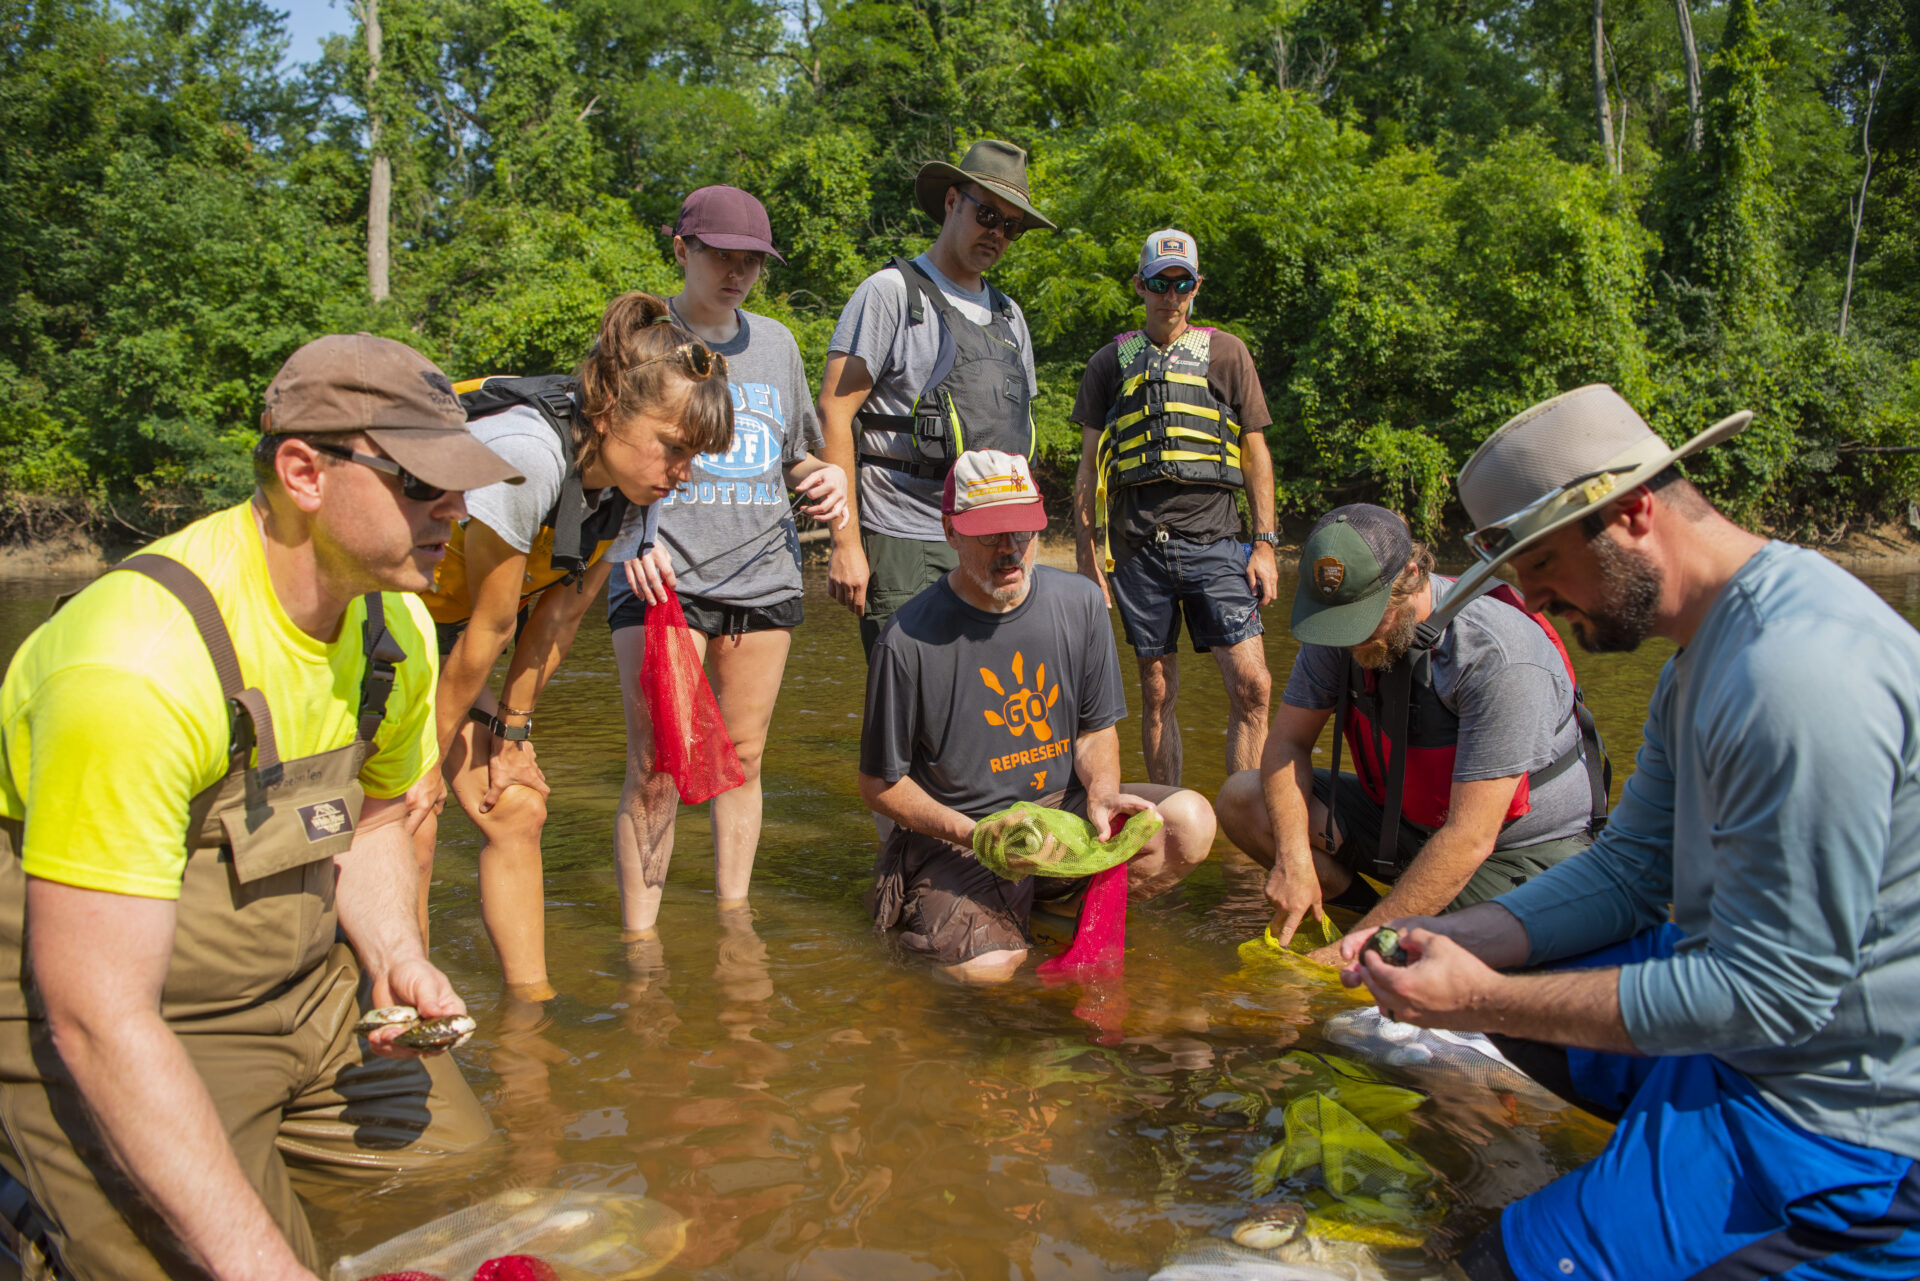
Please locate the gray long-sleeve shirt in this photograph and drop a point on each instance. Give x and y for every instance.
(1776, 804)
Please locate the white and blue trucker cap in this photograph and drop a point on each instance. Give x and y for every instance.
(1169, 248)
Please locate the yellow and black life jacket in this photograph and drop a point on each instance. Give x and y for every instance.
(1166, 424)
(571, 538)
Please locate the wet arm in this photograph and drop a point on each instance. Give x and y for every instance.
(843, 390)
(495, 571)
(376, 894)
(1256, 465)
(1286, 784)
(147, 1098)
(548, 636)
(907, 804)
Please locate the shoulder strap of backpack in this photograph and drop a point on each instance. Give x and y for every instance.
(383, 654)
(552, 397)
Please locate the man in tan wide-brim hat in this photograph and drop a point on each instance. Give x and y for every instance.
(1733, 968)
(929, 360)
(208, 762)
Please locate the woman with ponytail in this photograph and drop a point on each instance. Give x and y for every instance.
(726, 542)
(620, 432)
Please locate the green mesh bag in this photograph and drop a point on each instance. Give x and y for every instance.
(1031, 840)
(1369, 1178)
(1354, 1086)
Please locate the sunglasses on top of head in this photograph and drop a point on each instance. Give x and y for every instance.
(411, 486)
(1162, 284)
(992, 219)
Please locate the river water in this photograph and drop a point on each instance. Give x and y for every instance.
(818, 1109)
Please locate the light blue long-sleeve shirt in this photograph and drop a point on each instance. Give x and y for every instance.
(1776, 804)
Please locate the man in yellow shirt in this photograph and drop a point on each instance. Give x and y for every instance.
(204, 767)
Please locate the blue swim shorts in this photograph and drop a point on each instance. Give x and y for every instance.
(1704, 1180)
(1158, 581)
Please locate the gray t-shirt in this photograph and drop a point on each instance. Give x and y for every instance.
(1497, 671)
(900, 357)
(515, 512)
(982, 710)
(729, 530)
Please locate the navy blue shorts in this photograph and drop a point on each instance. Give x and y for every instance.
(1703, 1179)
(1157, 582)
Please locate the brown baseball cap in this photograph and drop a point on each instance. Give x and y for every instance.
(399, 398)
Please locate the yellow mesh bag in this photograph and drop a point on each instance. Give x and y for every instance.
(1031, 840)
(1354, 1086)
(1370, 1178)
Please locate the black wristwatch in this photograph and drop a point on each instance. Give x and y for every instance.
(1271, 540)
(511, 733)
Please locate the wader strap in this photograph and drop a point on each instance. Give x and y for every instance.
(25, 1234)
(919, 471)
(1339, 741)
(383, 654)
(1396, 694)
(245, 704)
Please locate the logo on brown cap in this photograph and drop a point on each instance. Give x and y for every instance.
(1328, 574)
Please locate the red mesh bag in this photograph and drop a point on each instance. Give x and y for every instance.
(690, 743)
(516, 1267)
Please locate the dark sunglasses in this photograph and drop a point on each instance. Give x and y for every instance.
(992, 219)
(1161, 284)
(411, 486)
(1017, 538)
(699, 360)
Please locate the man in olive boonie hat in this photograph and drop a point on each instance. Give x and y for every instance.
(1733, 968)
(929, 361)
(1472, 766)
(210, 756)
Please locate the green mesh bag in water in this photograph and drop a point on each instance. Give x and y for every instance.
(1354, 1086)
(1370, 1178)
(1031, 840)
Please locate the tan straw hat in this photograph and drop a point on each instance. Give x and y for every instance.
(998, 166)
(1559, 461)
(399, 398)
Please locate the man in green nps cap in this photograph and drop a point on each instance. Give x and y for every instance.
(929, 361)
(1466, 739)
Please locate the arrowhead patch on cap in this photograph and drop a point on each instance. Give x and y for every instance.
(1328, 574)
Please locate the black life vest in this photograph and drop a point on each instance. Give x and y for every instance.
(577, 532)
(976, 397)
(1380, 709)
(1166, 424)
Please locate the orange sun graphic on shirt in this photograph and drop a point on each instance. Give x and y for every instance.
(1024, 708)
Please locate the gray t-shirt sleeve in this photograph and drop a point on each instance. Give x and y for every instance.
(803, 433)
(1314, 682)
(515, 512)
(870, 323)
(1509, 717)
(1026, 348)
(1103, 700)
(891, 723)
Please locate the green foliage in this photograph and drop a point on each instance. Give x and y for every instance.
(1401, 208)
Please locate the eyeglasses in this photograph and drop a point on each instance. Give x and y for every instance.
(1018, 537)
(1161, 284)
(992, 219)
(1491, 542)
(699, 360)
(411, 486)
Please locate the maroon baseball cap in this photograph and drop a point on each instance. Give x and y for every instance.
(396, 396)
(726, 218)
(989, 492)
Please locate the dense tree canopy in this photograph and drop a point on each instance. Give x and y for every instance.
(1408, 210)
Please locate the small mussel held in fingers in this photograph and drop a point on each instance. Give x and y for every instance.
(1272, 1227)
(1386, 943)
(446, 1033)
(386, 1016)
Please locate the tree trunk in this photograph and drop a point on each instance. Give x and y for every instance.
(1602, 109)
(1695, 123)
(1860, 205)
(380, 185)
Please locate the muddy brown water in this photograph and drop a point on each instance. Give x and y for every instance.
(819, 1109)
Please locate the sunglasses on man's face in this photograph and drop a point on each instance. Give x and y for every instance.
(1161, 284)
(992, 219)
(411, 486)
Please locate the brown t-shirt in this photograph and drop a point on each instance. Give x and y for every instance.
(1197, 513)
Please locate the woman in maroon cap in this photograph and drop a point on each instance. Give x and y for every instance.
(725, 541)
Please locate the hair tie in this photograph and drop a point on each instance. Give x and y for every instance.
(664, 318)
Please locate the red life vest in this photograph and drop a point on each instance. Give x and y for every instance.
(1433, 736)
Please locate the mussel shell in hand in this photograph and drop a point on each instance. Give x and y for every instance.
(386, 1016)
(1386, 942)
(446, 1033)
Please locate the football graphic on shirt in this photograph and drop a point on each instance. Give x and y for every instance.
(759, 425)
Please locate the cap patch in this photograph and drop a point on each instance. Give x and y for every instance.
(1328, 574)
(984, 487)
(1171, 247)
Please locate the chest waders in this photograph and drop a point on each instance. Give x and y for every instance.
(256, 910)
(976, 397)
(1166, 424)
(1405, 740)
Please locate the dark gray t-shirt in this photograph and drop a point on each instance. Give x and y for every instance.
(982, 710)
(900, 357)
(1497, 671)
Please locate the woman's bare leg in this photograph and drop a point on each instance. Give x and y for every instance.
(512, 889)
(643, 829)
(746, 673)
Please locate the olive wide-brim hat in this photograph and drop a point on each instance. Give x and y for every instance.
(1559, 461)
(998, 166)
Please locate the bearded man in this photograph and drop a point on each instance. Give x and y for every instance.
(1498, 780)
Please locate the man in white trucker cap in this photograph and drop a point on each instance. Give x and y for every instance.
(1733, 969)
(998, 683)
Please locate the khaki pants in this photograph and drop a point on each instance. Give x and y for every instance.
(292, 1083)
(901, 569)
